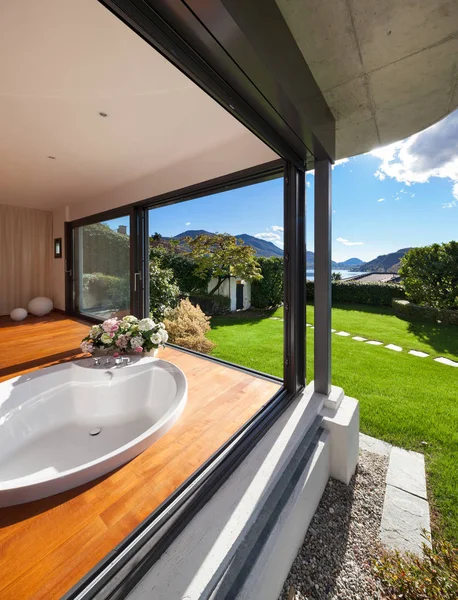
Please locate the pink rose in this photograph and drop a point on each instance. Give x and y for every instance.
(139, 349)
(115, 354)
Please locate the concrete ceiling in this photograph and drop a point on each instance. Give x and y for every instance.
(61, 64)
(387, 68)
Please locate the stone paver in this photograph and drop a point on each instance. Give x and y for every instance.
(404, 518)
(358, 338)
(406, 471)
(418, 353)
(374, 343)
(343, 333)
(371, 444)
(394, 347)
(446, 361)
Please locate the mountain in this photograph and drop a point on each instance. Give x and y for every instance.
(262, 247)
(350, 263)
(385, 263)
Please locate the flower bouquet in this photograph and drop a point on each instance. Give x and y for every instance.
(128, 335)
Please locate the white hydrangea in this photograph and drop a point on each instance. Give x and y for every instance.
(164, 335)
(156, 338)
(136, 342)
(146, 325)
(130, 319)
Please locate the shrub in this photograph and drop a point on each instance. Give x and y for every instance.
(430, 275)
(405, 309)
(164, 292)
(183, 267)
(187, 325)
(105, 290)
(268, 292)
(434, 576)
(105, 250)
(352, 292)
(212, 305)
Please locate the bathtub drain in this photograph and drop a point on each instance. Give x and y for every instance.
(95, 431)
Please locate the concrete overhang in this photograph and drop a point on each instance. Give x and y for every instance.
(386, 69)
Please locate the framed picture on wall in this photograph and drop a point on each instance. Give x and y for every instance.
(57, 247)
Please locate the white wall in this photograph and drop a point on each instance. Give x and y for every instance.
(229, 288)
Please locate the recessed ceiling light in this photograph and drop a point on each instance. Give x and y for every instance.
(103, 114)
(52, 157)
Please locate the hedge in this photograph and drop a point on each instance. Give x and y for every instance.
(405, 309)
(212, 305)
(107, 291)
(105, 250)
(378, 294)
(268, 291)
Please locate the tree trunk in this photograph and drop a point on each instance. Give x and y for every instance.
(218, 285)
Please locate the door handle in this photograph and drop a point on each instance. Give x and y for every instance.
(139, 275)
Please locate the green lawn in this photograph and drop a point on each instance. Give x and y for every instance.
(404, 400)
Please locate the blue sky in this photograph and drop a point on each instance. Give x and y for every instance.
(405, 194)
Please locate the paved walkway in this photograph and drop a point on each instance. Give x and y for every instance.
(357, 338)
(405, 508)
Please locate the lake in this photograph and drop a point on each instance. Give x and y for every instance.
(344, 274)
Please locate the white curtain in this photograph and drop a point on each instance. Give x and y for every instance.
(26, 252)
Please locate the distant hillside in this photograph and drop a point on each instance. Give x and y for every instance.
(262, 247)
(385, 263)
(350, 263)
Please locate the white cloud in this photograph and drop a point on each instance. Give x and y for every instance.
(381, 200)
(348, 243)
(430, 153)
(307, 183)
(273, 234)
(341, 161)
(188, 223)
(269, 236)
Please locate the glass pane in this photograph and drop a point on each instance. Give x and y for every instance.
(222, 253)
(102, 268)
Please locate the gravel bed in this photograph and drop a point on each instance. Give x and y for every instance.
(335, 561)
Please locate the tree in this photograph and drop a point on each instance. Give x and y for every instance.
(430, 275)
(222, 256)
(164, 292)
(183, 267)
(336, 277)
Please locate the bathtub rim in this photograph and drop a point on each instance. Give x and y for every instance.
(166, 421)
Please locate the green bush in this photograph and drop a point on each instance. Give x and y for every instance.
(268, 291)
(105, 250)
(183, 267)
(163, 291)
(352, 292)
(433, 576)
(107, 291)
(430, 275)
(407, 310)
(212, 305)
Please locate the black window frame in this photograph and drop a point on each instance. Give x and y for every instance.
(188, 44)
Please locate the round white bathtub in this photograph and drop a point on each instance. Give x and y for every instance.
(68, 424)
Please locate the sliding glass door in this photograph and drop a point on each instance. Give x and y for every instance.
(102, 274)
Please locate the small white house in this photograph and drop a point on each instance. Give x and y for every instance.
(237, 289)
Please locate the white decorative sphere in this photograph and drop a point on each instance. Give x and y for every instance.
(40, 306)
(18, 314)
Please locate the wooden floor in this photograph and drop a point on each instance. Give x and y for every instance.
(48, 545)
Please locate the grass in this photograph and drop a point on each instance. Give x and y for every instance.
(404, 400)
